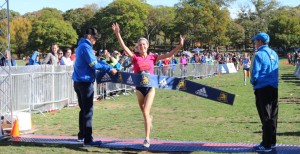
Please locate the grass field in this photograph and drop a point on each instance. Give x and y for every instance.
(177, 116)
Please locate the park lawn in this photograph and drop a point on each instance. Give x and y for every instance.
(177, 116)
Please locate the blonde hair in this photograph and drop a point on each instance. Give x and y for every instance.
(142, 38)
(137, 44)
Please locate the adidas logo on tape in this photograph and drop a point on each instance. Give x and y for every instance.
(201, 92)
(106, 77)
(129, 80)
(163, 83)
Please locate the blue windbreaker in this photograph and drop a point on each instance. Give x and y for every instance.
(86, 63)
(32, 60)
(265, 68)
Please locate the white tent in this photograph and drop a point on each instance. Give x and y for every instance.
(197, 50)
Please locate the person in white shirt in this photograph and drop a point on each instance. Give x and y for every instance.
(66, 60)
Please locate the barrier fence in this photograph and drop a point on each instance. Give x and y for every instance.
(44, 88)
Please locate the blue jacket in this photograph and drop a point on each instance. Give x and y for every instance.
(265, 68)
(173, 62)
(33, 61)
(86, 63)
(4, 62)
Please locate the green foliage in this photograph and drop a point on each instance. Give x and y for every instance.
(131, 16)
(284, 28)
(45, 14)
(202, 20)
(20, 29)
(236, 33)
(12, 14)
(160, 24)
(44, 33)
(78, 17)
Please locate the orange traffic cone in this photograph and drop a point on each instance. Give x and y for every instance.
(15, 130)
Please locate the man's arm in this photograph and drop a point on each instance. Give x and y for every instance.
(255, 69)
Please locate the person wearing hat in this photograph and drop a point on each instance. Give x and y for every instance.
(83, 76)
(264, 78)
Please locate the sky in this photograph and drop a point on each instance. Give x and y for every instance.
(24, 6)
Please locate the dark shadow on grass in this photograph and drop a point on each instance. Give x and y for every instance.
(283, 134)
(242, 122)
(290, 78)
(289, 134)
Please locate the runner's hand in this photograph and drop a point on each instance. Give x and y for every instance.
(115, 27)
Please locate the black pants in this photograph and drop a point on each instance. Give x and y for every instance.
(85, 95)
(267, 107)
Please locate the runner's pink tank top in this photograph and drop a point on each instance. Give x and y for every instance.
(143, 64)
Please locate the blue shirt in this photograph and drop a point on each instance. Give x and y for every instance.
(246, 63)
(86, 63)
(265, 68)
(33, 61)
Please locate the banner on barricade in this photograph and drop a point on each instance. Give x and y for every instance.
(227, 68)
(165, 82)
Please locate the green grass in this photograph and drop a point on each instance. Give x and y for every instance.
(177, 116)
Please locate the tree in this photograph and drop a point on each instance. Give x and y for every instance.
(131, 16)
(3, 27)
(160, 22)
(284, 27)
(92, 7)
(44, 15)
(12, 13)
(78, 18)
(236, 34)
(44, 33)
(263, 9)
(20, 29)
(202, 20)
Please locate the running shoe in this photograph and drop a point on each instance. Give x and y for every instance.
(80, 140)
(261, 148)
(146, 143)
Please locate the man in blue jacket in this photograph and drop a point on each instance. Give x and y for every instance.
(264, 78)
(83, 76)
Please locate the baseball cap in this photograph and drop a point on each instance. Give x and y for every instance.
(261, 36)
(92, 31)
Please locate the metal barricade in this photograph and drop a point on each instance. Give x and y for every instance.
(46, 87)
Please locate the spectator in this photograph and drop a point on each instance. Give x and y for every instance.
(66, 59)
(166, 66)
(173, 64)
(7, 60)
(35, 59)
(60, 54)
(112, 61)
(73, 55)
(52, 57)
(127, 61)
(183, 65)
